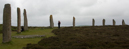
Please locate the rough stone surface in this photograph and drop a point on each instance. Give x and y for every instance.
(103, 22)
(7, 23)
(25, 20)
(93, 22)
(123, 22)
(51, 22)
(73, 21)
(18, 20)
(114, 23)
(28, 36)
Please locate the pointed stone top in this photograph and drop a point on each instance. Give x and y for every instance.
(17, 7)
(50, 16)
(7, 5)
(73, 17)
(122, 20)
(24, 9)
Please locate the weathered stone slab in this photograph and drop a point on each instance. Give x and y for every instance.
(28, 36)
(25, 20)
(123, 22)
(103, 22)
(114, 23)
(7, 23)
(18, 20)
(93, 22)
(51, 22)
(73, 21)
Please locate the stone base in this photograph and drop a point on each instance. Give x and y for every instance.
(28, 36)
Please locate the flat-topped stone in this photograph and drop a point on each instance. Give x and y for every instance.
(73, 21)
(18, 20)
(7, 23)
(28, 36)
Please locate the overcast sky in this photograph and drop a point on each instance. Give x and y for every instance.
(38, 11)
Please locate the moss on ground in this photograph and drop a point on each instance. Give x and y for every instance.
(108, 37)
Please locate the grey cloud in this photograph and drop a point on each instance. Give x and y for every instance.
(38, 11)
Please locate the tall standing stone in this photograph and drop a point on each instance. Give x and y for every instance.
(73, 21)
(7, 23)
(51, 22)
(123, 22)
(93, 22)
(18, 20)
(114, 23)
(25, 20)
(103, 22)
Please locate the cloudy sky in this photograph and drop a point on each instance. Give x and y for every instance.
(38, 11)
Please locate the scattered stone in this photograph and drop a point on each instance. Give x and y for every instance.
(93, 22)
(73, 21)
(28, 36)
(103, 22)
(18, 20)
(114, 22)
(7, 23)
(51, 22)
(25, 20)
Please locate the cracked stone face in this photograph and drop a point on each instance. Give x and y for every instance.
(7, 23)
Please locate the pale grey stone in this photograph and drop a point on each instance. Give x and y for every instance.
(18, 20)
(7, 23)
(25, 20)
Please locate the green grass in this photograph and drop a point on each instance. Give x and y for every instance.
(20, 43)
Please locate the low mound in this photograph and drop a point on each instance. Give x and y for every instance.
(99, 37)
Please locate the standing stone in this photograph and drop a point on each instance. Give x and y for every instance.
(123, 22)
(6, 23)
(114, 23)
(73, 21)
(103, 22)
(18, 20)
(93, 22)
(25, 20)
(51, 22)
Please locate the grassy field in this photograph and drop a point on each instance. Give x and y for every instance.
(20, 43)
